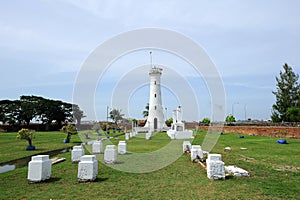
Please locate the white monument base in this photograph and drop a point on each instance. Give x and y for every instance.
(110, 154)
(122, 147)
(87, 168)
(215, 167)
(97, 147)
(39, 168)
(77, 152)
(187, 134)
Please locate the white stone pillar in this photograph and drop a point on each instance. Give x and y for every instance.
(186, 146)
(39, 168)
(196, 151)
(97, 147)
(215, 167)
(122, 147)
(77, 152)
(110, 154)
(174, 116)
(179, 114)
(87, 168)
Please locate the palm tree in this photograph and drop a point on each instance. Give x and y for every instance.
(146, 111)
(116, 115)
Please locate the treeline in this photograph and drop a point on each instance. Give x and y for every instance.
(51, 114)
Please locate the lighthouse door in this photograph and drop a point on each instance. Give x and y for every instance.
(155, 123)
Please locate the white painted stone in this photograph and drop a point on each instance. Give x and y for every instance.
(39, 168)
(130, 135)
(87, 168)
(186, 146)
(236, 171)
(126, 136)
(97, 147)
(196, 151)
(122, 147)
(227, 149)
(77, 152)
(148, 135)
(215, 167)
(110, 154)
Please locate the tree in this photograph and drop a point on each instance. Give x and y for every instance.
(206, 121)
(78, 114)
(25, 134)
(230, 119)
(287, 94)
(293, 114)
(116, 115)
(169, 122)
(146, 111)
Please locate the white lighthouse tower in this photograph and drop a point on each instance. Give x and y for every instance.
(155, 121)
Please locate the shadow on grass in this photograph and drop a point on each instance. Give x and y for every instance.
(51, 180)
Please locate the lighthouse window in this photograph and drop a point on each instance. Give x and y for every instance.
(155, 95)
(154, 107)
(154, 82)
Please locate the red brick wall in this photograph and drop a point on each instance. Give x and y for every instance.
(274, 131)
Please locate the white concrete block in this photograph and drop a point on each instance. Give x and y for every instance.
(77, 152)
(110, 154)
(97, 147)
(186, 146)
(39, 168)
(215, 167)
(87, 168)
(126, 136)
(122, 147)
(196, 151)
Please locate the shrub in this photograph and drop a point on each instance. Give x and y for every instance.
(69, 129)
(25, 134)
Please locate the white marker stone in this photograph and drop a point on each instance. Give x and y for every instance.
(110, 154)
(122, 147)
(87, 168)
(215, 167)
(127, 136)
(39, 168)
(196, 151)
(97, 147)
(186, 146)
(148, 135)
(77, 152)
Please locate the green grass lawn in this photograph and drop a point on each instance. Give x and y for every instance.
(274, 169)
(11, 148)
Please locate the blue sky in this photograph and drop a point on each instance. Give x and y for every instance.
(44, 43)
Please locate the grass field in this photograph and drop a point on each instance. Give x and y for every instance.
(274, 169)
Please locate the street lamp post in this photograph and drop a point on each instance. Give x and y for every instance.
(106, 119)
(245, 110)
(232, 108)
